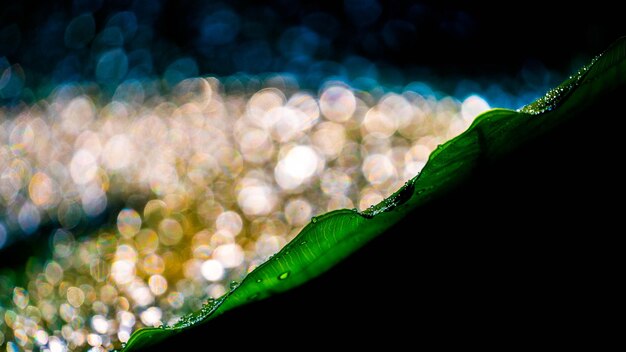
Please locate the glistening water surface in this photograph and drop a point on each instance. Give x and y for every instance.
(214, 183)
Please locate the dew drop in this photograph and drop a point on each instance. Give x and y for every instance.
(367, 215)
(258, 281)
(314, 219)
(233, 285)
(303, 243)
(283, 276)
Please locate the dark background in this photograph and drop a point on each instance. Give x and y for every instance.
(512, 43)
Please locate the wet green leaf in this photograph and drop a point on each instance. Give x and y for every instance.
(331, 237)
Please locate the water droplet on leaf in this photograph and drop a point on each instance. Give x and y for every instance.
(283, 276)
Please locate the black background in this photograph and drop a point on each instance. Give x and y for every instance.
(466, 39)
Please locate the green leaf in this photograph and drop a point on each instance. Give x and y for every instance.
(332, 237)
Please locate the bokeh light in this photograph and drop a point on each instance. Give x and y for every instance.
(213, 184)
(225, 179)
(155, 175)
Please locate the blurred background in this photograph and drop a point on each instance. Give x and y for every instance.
(509, 54)
(154, 152)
